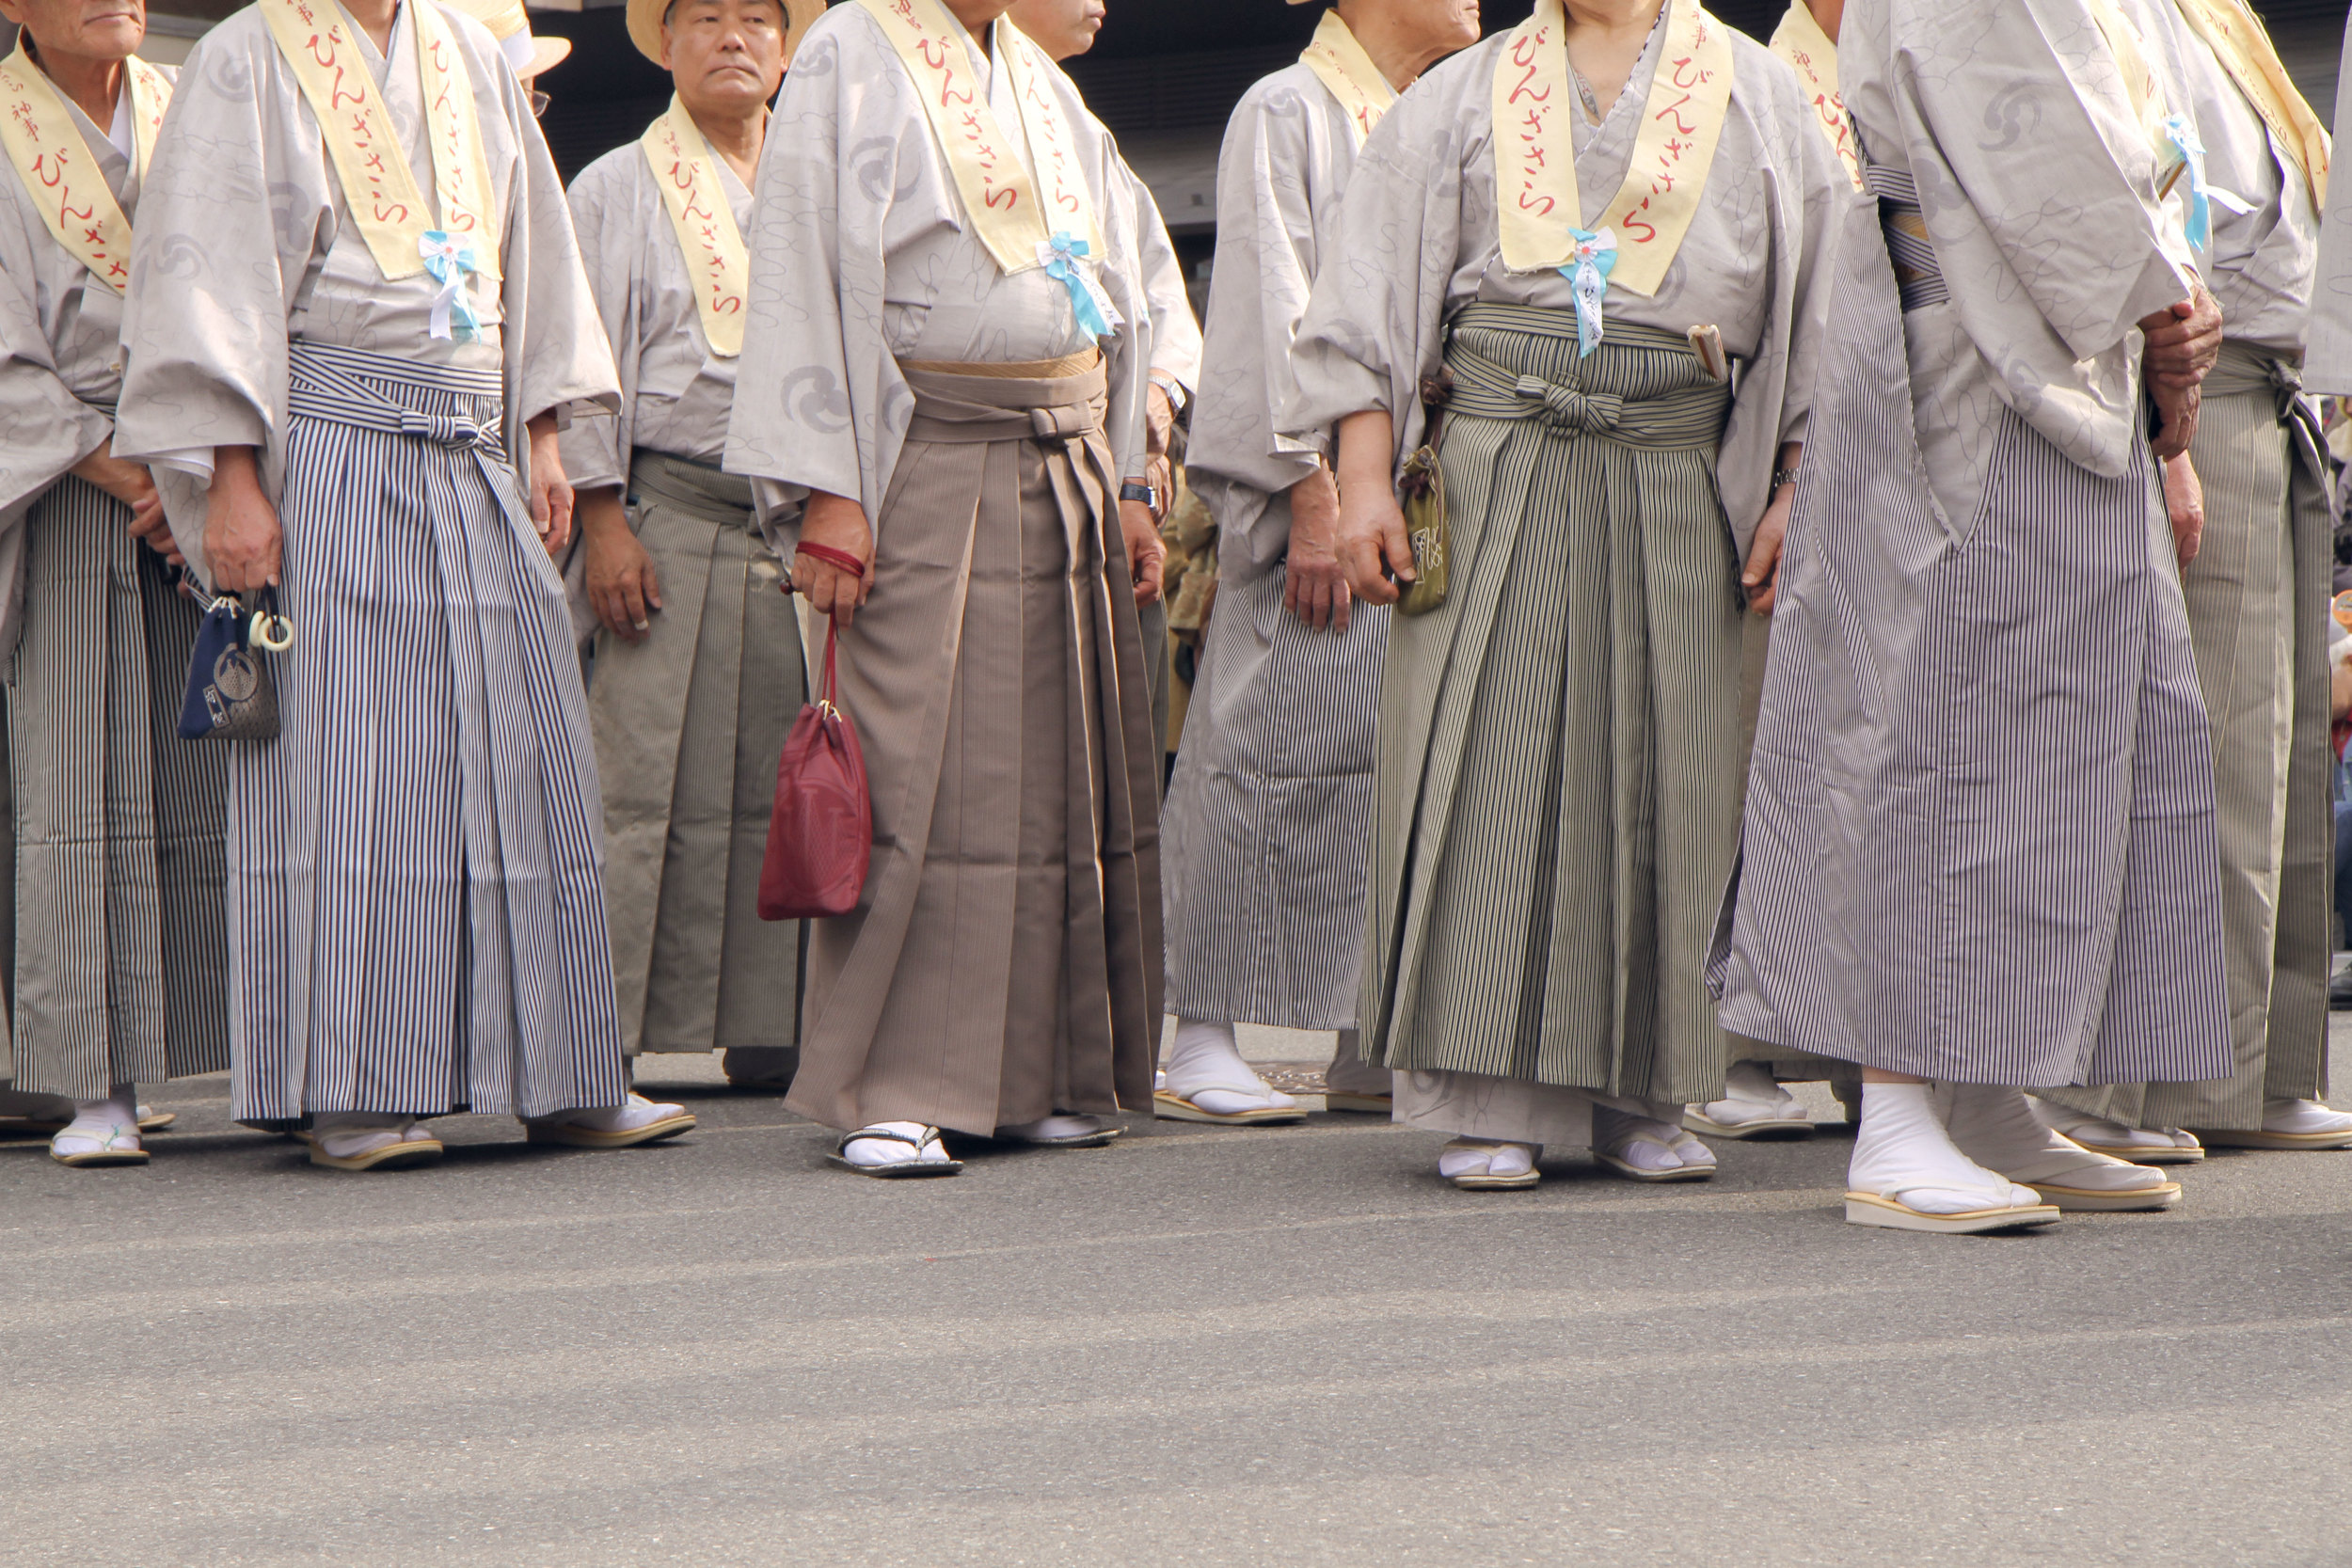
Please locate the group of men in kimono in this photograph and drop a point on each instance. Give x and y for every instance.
(1522, 402)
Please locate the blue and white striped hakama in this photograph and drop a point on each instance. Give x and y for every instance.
(1979, 840)
(416, 912)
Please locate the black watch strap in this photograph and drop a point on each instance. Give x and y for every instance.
(1130, 491)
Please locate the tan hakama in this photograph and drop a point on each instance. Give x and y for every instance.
(996, 678)
(689, 725)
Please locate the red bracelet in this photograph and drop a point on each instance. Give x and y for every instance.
(839, 560)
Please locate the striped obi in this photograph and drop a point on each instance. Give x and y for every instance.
(1918, 278)
(1689, 416)
(459, 409)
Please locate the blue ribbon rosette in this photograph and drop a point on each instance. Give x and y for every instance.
(1097, 316)
(2191, 151)
(451, 262)
(1587, 272)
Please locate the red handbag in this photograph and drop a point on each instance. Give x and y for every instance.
(821, 832)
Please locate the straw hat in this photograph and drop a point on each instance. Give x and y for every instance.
(644, 24)
(508, 23)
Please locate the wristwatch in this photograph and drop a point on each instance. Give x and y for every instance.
(1133, 490)
(1781, 477)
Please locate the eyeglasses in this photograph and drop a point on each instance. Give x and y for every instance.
(539, 102)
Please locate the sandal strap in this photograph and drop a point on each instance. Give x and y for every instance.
(930, 1136)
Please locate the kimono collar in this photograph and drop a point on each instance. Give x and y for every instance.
(1341, 64)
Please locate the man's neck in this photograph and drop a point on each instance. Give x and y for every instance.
(735, 137)
(1827, 14)
(374, 18)
(1388, 34)
(1614, 16)
(91, 84)
(976, 15)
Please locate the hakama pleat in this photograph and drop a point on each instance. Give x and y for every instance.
(120, 948)
(1005, 961)
(420, 923)
(1978, 841)
(2257, 612)
(1559, 775)
(1270, 810)
(689, 725)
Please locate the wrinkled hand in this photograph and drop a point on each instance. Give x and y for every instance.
(1372, 543)
(135, 488)
(550, 492)
(840, 523)
(2182, 343)
(1314, 588)
(2184, 505)
(242, 536)
(1146, 555)
(1760, 576)
(622, 586)
(2178, 410)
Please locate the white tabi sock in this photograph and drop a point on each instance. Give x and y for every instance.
(101, 1125)
(862, 1150)
(347, 1134)
(1901, 1151)
(2083, 1127)
(1486, 1157)
(631, 1113)
(2303, 1116)
(1053, 1129)
(1995, 1127)
(1204, 1066)
(1751, 1094)
(1645, 1143)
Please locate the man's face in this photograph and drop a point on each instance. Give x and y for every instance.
(1060, 28)
(724, 55)
(1451, 23)
(93, 29)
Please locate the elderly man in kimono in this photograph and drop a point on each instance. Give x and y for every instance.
(1063, 29)
(1980, 844)
(2257, 582)
(698, 664)
(1270, 808)
(115, 951)
(943, 387)
(357, 318)
(1568, 238)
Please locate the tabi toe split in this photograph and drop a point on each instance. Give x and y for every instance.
(1643, 1149)
(96, 1140)
(1907, 1174)
(1061, 1131)
(1995, 1127)
(1478, 1164)
(2166, 1146)
(638, 1120)
(1752, 1106)
(891, 1149)
(371, 1143)
(2290, 1124)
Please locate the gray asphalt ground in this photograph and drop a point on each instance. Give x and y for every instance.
(1199, 1346)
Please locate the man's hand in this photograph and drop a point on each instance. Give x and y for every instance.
(135, 488)
(550, 492)
(1313, 587)
(1372, 543)
(2178, 410)
(2182, 343)
(839, 523)
(1159, 425)
(1147, 556)
(621, 583)
(242, 536)
(2185, 504)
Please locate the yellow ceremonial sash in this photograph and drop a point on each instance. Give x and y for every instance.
(378, 185)
(2240, 44)
(38, 137)
(1014, 215)
(1538, 205)
(705, 225)
(1799, 40)
(2139, 78)
(1341, 64)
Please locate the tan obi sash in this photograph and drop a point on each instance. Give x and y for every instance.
(41, 144)
(1046, 400)
(1484, 390)
(695, 488)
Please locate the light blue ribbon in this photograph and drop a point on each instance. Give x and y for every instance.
(1587, 273)
(1063, 269)
(451, 262)
(2183, 136)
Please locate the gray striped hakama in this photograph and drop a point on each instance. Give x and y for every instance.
(689, 725)
(2257, 611)
(418, 924)
(1980, 824)
(119, 947)
(1005, 961)
(1557, 778)
(1271, 806)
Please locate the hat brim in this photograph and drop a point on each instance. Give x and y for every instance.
(644, 24)
(547, 53)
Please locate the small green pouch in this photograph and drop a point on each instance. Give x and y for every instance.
(1422, 487)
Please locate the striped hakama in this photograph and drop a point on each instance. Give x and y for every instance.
(418, 923)
(1980, 823)
(1271, 806)
(1005, 961)
(1558, 776)
(2257, 612)
(119, 942)
(689, 725)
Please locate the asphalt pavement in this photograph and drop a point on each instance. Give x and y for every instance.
(1200, 1345)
